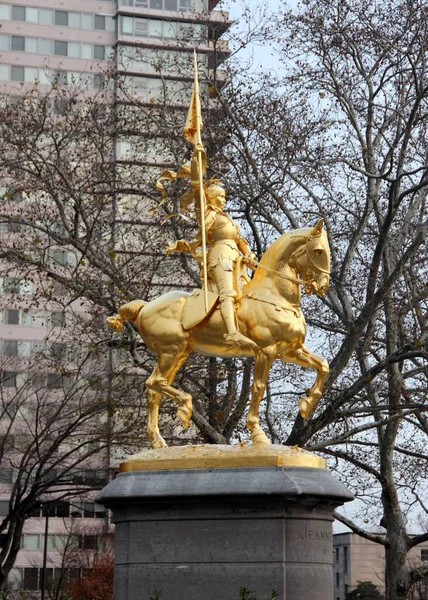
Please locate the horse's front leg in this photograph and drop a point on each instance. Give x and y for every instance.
(305, 358)
(264, 360)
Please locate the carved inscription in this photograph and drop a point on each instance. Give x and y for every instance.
(309, 534)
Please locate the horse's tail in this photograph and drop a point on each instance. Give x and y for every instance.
(127, 312)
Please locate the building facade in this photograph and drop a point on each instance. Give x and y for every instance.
(149, 44)
(356, 559)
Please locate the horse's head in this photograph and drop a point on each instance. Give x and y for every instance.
(312, 261)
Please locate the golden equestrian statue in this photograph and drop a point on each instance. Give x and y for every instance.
(260, 317)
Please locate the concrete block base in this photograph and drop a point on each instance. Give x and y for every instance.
(202, 534)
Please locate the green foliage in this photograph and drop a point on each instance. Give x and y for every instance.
(365, 590)
(5, 594)
(157, 594)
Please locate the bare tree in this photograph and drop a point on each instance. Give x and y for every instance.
(340, 133)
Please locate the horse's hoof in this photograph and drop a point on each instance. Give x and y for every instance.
(184, 413)
(259, 438)
(159, 442)
(305, 407)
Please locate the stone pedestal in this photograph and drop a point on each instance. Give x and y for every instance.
(203, 533)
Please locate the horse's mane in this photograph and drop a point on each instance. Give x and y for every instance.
(276, 250)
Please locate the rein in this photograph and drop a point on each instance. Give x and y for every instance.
(275, 272)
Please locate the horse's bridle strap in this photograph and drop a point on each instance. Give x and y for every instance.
(275, 272)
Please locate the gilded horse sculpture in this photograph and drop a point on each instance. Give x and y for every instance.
(259, 317)
(268, 313)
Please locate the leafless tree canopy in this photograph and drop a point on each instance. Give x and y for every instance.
(339, 132)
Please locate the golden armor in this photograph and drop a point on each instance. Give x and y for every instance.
(226, 247)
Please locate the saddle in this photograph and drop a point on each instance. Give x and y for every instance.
(194, 308)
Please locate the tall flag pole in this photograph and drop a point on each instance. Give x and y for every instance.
(192, 132)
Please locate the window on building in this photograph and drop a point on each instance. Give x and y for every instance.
(4, 12)
(10, 348)
(6, 475)
(38, 381)
(24, 349)
(155, 28)
(30, 541)
(12, 316)
(46, 46)
(110, 23)
(4, 41)
(60, 77)
(18, 13)
(345, 559)
(87, 21)
(171, 5)
(46, 16)
(11, 409)
(99, 52)
(58, 318)
(99, 22)
(170, 30)
(17, 73)
(8, 379)
(18, 43)
(54, 381)
(337, 580)
(61, 18)
(92, 478)
(58, 350)
(60, 48)
(11, 285)
(74, 19)
(31, 74)
(127, 25)
(62, 509)
(73, 50)
(99, 81)
(88, 542)
(156, 4)
(32, 45)
(185, 5)
(31, 579)
(337, 556)
(4, 508)
(424, 554)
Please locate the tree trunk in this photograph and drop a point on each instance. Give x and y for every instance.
(396, 580)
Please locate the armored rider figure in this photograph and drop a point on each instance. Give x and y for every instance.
(225, 247)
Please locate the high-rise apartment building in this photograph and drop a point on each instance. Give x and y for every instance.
(149, 43)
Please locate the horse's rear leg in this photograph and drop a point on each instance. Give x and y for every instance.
(158, 385)
(305, 358)
(153, 402)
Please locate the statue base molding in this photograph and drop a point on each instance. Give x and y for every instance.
(216, 456)
(203, 533)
